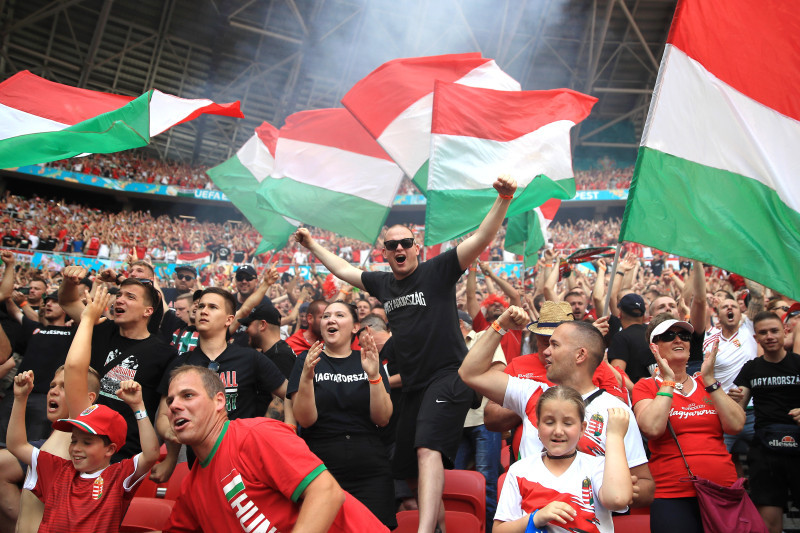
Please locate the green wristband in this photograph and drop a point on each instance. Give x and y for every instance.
(667, 394)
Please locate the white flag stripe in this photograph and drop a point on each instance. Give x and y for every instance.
(696, 116)
(366, 177)
(255, 157)
(167, 110)
(14, 122)
(472, 163)
(405, 139)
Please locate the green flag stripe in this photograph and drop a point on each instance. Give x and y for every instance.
(239, 487)
(714, 216)
(122, 129)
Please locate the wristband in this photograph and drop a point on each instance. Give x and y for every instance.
(294, 428)
(375, 381)
(666, 383)
(667, 394)
(714, 386)
(506, 196)
(496, 326)
(23, 304)
(140, 415)
(532, 526)
(618, 273)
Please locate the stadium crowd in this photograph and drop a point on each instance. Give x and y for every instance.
(330, 357)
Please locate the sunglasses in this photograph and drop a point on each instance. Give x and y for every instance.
(792, 314)
(406, 243)
(783, 308)
(213, 366)
(669, 336)
(184, 277)
(244, 277)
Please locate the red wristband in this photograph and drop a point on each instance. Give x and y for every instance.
(506, 196)
(375, 381)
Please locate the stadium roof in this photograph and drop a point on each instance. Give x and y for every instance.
(283, 56)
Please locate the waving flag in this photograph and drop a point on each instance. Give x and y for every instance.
(395, 101)
(527, 233)
(239, 178)
(716, 176)
(43, 121)
(330, 173)
(479, 134)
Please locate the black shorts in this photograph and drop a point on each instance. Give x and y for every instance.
(431, 418)
(772, 476)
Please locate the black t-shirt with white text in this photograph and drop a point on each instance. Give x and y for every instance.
(47, 348)
(116, 359)
(423, 316)
(775, 388)
(341, 395)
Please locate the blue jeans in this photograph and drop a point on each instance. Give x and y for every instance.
(484, 445)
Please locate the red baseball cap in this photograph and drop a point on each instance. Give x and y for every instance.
(792, 311)
(97, 420)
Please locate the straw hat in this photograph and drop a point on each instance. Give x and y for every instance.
(551, 315)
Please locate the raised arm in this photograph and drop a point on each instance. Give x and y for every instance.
(697, 311)
(304, 406)
(599, 289)
(505, 286)
(267, 280)
(730, 413)
(130, 392)
(380, 403)
(617, 488)
(17, 435)
(473, 307)
(69, 293)
(652, 415)
(338, 266)
(7, 283)
(469, 250)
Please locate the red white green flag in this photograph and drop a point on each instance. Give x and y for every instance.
(43, 121)
(479, 134)
(394, 103)
(716, 176)
(527, 233)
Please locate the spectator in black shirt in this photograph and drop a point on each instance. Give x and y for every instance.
(629, 348)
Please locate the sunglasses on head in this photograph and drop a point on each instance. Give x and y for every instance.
(669, 336)
(406, 243)
(783, 308)
(244, 277)
(185, 277)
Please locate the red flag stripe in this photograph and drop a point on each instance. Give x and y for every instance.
(268, 134)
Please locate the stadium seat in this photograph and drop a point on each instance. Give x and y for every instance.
(465, 491)
(505, 457)
(500, 481)
(455, 521)
(173, 486)
(634, 523)
(146, 514)
(147, 488)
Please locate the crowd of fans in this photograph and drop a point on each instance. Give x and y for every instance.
(137, 166)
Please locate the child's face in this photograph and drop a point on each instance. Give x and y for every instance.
(560, 426)
(88, 452)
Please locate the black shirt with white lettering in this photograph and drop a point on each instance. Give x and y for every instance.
(116, 359)
(775, 388)
(47, 348)
(248, 375)
(424, 319)
(341, 394)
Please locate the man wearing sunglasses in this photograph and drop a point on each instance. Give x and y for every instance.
(246, 283)
(185, 282)
(419, 299)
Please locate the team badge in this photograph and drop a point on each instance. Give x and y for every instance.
(97, 488)
(586, 491)
(596, 424)
(737, 343)
(88, 410)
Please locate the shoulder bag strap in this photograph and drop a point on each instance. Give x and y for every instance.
(672, 431)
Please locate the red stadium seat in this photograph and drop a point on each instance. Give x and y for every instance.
(457, 522)
(500, 481)
(147, 488)
(465, 491)
(635, 523)
(173, 487)
(505, 457)
(146, 514)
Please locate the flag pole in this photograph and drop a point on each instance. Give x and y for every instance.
(524, 255)
(613, 276)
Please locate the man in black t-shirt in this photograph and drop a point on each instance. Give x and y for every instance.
(773, 381)
(246, 284)
(185, 282)
(629, 349)
(419, 299)
(264, 329)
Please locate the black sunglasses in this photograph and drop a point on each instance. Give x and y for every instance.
(244, 277)
(213, 366)
(669, 336)
(792, 314)
(783, 308)
(406, 243)
(184, 277)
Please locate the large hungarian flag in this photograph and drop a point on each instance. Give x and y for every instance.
(479, 134)
(527, 233)
(43, 121)
(239, 178)
(716, 176)
(394, 103)
(330, 173)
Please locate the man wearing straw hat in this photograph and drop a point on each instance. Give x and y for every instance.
(574, 352)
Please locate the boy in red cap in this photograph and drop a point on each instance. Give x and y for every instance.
(86, 493)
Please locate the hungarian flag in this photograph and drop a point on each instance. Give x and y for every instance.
(716, 175)
(394, 103)
(527, 233)
(330, 173)
(43, 121)
(479, 134)
(239, 178)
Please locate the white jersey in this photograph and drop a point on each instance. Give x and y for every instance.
(529, 486)
(732, 354)
(521, 397)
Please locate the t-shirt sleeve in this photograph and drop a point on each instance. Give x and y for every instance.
(743, 378)
(619, 349)
(294, 379)
(645, 389)
(448, 266)
(518, 392)
(282, 459)
(269, 375)
(42, 470)
(372, 282)
(509, 507)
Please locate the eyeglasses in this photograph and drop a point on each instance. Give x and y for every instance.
(244, 277)
(213, 366)
(406, 243)
(184, 277)
(669, 336)
(792, 314)
(783, 308)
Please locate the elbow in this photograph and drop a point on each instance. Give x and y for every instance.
(619, 502)
(466, 376)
